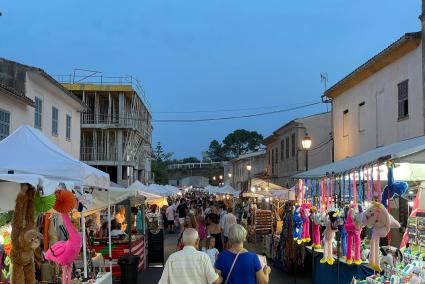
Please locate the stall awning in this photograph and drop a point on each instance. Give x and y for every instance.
(29, 151)
(403, 151)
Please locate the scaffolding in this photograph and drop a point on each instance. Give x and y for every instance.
(116, 128)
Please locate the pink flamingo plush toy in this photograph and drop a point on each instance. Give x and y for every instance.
(65, 252)
(354, 230)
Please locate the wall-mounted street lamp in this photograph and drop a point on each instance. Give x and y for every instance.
(306, 143)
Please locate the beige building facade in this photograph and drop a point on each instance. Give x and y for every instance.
(28, 95)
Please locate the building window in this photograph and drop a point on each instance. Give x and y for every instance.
(55, 117)
(38, 112)
(272, 161)
(293, 145)
(403, 100)
(270, 156)
(345, 123)
(362, 116)
(287, 147)
(282, 149)
(68, 127)
(276, 155)
(4, 123)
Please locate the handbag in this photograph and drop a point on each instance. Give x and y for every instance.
(231, 268)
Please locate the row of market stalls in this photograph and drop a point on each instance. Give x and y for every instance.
(367, 218)
(49, 186)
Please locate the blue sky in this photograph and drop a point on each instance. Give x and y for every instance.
(207, 55)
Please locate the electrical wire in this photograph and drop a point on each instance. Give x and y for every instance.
(229, 110)
(240, 116)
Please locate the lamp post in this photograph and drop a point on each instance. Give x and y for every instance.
(249, 168)
(306, 143)
(230, 178)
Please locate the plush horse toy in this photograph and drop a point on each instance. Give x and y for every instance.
(305, 216)
(354, 229)
(393, 188)
(380, 220)
(316, 217)
(297, 225)
(329, 235)
(65, 252)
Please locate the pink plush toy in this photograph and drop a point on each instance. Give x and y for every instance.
(65, 252)
(380, 220)
(305, 216)
(329, 235)
(316, 221)
(354, 230)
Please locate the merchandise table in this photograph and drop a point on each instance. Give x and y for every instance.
(339, 272)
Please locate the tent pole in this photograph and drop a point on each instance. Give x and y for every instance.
(83, 226)
(109, 231)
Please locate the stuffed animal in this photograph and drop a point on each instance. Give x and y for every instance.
(393, 188)
(329, 235)
(316, 222)
(354, 230)
(381, 222)
(24, 237)
(297, 225)
(305, 216)
(65, 252)
(343, 235)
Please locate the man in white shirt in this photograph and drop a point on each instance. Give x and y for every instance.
(189, 266)
(170, 213)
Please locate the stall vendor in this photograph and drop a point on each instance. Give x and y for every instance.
(120, 218)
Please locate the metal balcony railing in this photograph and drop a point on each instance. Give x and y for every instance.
(212, 165)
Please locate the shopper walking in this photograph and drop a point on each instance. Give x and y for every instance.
(189, 266)
(214, 230)
(182, 210)
(237, 265)
(170, 214)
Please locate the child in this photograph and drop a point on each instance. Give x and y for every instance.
(210, 249)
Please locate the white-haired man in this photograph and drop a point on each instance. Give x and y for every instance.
(189, 266)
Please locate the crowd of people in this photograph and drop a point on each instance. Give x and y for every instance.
(210, 247)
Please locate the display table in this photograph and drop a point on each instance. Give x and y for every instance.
(97, 260)
(106, 278)
(339, 272)
(121, 248)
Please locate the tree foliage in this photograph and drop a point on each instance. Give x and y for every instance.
(160, 163)
(238, 142)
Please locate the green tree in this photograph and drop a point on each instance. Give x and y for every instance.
(189, 160)
(160, 163)
(216, 152)
(240, 142)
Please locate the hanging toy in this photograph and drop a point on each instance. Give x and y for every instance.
(343, 235)
(305, 217)
(297, 224)
(65, 201)
(329, 235)
(354, 229)
(381, 222)
(316, 221)
(393, 188)
(65, 252)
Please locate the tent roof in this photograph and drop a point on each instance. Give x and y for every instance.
(28, 151)
(401, 151)
(143, 190)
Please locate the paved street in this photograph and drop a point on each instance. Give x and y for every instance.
(152, 275)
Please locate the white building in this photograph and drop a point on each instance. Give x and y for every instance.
(237, 174)
(28, 95)
(285, 155)
(381, 102)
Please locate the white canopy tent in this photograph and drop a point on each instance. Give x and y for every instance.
(27, 155)
(142, 189)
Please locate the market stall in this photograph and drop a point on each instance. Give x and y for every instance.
(365, 198)
(45, 181)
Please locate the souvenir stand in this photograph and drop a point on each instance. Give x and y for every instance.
(355, 213)
(42, 177)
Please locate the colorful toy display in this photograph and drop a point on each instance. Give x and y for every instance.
(354, 230)
(297, 224)
(380, 221)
